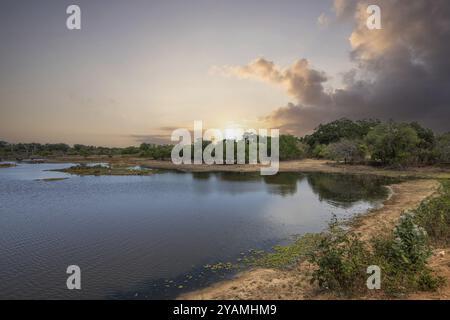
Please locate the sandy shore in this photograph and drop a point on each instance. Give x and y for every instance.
(294, 284)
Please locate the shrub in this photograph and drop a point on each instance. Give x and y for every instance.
(320, 151)
(410, 245)
(291, 148)
(403, 256)
(434, 216)
(442, 148)
(342, 260)
(347, 150)
(393, 143)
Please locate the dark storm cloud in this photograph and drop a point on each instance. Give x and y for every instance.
(401, 72)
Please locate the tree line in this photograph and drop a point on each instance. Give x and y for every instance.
(368, 141)
(375, 142)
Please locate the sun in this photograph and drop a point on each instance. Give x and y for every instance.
(233, 131)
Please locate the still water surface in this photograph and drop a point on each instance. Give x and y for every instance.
(150, 237)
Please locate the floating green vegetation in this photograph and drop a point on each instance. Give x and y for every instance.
(280, 257)
(99, 170)
(284, 257)
(221, 266)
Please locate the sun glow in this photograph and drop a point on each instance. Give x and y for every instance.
(233, 131)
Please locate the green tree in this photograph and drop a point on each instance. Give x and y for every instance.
(347, 150)
(340, 129)
(425, 148)
(291, 148)
(393, 143)
(320, 151)
(442, 148)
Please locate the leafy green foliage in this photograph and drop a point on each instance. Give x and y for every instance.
(342, 260)
(442, 148)
(403, 258)
(408, 248)
(393, 143)
(347, 150)
(159, 152)
(291, 148)
(434, 216)
(320, 151)
(363, 141)
(340, 129)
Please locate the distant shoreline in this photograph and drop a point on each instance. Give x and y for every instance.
(306, 165)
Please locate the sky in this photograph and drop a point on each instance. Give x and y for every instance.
(139, 69)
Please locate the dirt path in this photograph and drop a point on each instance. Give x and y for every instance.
(294, 284)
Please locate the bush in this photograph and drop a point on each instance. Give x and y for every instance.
(403, 256)
(320, 151)
(434, 216)
(342, 260)
(291, 148)
(410, 245)
(393, 143)
(347, 150)
(442, 148)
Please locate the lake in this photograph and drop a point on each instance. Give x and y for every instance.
(150, 237)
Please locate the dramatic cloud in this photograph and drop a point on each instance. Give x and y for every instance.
(401, 71)
(300, 81)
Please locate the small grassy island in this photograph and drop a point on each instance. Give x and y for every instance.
(83, 170)
(51, 179)
(7, 165)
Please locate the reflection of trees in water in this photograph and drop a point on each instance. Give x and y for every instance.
(233, 183)
(284, 184)
(201, 175)
(239, 176)
(341, 190)
(344, 190)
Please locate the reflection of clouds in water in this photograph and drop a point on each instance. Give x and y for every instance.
(25, 171)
